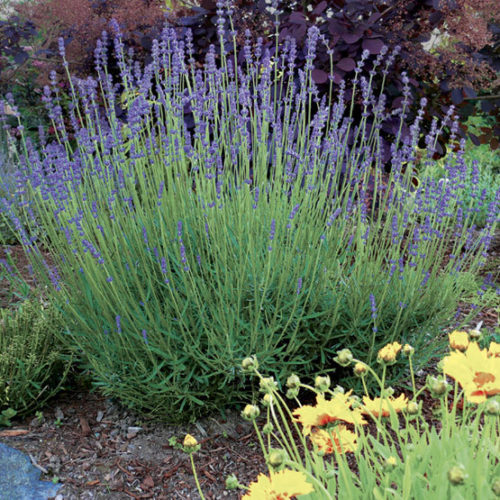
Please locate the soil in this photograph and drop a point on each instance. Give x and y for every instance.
(98, 449)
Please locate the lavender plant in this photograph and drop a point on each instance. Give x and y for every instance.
(267, 227)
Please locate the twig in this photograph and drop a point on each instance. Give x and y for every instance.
(35, 464)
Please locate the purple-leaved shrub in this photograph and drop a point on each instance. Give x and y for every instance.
(266, 228)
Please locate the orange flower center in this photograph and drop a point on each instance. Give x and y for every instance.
(482, 378)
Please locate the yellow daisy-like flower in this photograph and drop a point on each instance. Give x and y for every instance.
(494, 350)
(476, 370)
(389, 352)
(281, 485)
(459, 340)
(383, 406)
(338, 438)
(325, 412)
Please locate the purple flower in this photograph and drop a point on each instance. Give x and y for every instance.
(118, 324)
(299, 285)
(145, 336)
(373, 306)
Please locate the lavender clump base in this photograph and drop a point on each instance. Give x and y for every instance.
(19, 479)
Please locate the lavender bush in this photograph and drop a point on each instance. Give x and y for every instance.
(263, 223)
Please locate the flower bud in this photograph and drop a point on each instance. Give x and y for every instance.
(268, 428)
(292, 393)
(413, 408)
(339, 390)
(475, 335)
(232, 482)
(249, 364)
(268, 384)
(408, 350)
(190, 444)
(267, 400)
(495, 487)
(388, 392)
(387, 355)
(492, 407)
(322, 383)
(459, 340)
(457, 474)
(250, 412)
(276, 458)
(438, 387)
(293, 381)
(344, 357)
(360, 369)
(390, 463)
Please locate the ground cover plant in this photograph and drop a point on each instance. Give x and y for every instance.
(269, 227)
(396, 453)
(33, 363)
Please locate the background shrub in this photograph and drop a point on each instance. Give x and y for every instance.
(33, 365)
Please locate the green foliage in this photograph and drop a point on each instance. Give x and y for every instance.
(5, 417)
(33, 365)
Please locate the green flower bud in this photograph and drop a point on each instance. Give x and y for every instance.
(438, 387)
(268, 384)
(339, 390)
(292, 393)
(268, 428)
(267, 400)
(232, 482)
(457, 474)
(293, 381)
(249, 364)
(276, 458)
(322, 383)
(492, 407)
(413, 408)
(390, 463)
(344, 357)
(250, 412)
(495, 487)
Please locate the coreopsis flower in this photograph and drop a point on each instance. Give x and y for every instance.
(282, 485)
(390, 463)
(477, 372)
(383, 406)
(388, 353)
(339, 438)
(339, 407)
(459, 340)
(494, 350)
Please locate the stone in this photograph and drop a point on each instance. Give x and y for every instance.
(20, 479)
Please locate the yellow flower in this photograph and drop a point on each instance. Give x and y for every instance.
(377, 405)
(339, 438)
(477, 372)
(459, 340)
(190, 444)
(281, 485)
(389, 352)
(494, 350)
(339, 407)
